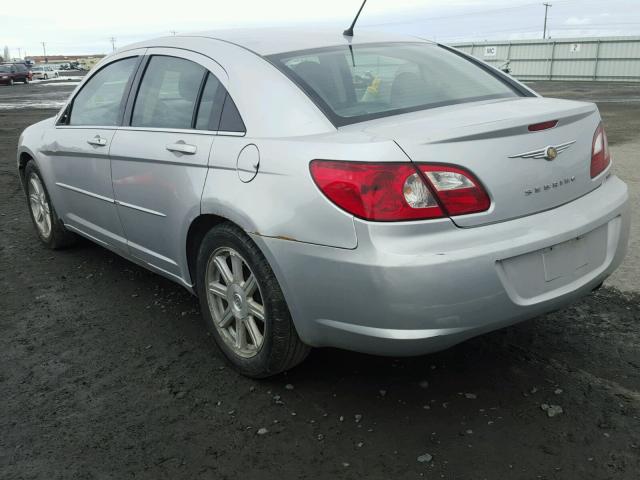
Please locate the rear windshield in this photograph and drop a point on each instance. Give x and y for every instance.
(362, 82)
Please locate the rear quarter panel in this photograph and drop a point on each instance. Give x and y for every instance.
(282, 200)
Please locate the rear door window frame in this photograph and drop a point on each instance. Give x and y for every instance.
(135, 90)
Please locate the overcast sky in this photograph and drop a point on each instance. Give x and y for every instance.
(81, 26)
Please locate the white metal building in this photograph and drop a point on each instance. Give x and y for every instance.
(604, 59)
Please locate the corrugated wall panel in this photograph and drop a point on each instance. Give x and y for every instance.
(607, 58)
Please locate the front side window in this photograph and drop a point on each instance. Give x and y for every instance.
(377, 80)
(168, 93)
(100, 101)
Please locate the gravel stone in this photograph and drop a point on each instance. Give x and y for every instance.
(425, 458)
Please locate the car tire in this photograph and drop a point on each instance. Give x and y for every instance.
(26, 80)
(46, 77)
(11, 82)
(49, 228)
(280, 348)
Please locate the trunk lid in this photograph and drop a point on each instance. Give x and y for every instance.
(492, 140)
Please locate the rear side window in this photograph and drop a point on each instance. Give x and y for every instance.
(377, 80)
(100, 101)
(231, 121)
(168, 93)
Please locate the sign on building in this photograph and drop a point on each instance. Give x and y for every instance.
(574, 47)
(490, 51)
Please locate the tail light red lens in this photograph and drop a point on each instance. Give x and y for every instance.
(458, 190)
(374, 191)
(398, 191)
(600, 155)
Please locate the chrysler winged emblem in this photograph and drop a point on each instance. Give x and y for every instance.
(549, 153)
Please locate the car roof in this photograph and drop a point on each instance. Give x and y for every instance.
(270, 41)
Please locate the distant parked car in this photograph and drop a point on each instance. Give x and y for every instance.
(11, 73)
(44, 72)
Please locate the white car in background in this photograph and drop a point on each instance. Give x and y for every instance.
(44, 72)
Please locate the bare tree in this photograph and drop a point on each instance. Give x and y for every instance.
(6, 55)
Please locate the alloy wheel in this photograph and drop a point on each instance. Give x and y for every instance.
(39, 206)
(236, 302)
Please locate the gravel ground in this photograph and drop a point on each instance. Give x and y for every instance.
(107, 372)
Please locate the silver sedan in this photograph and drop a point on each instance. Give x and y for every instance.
(380, 193)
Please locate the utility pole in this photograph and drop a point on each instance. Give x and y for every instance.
(44, 48)
(113, 43)
(546, 10)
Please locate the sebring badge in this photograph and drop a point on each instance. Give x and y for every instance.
(550, 186)
(549, 153)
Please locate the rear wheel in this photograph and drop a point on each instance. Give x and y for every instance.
(11, 82)
(48, 226)
(26, 80)
(243, 305)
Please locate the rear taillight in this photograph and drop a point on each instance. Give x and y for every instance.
(399, 191)
(458, 190)
(600, 155)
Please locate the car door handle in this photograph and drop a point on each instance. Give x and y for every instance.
(182, 148)
(98, 141)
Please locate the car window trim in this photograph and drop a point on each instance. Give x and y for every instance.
(126, 124)
(196, 109)
(217, 133)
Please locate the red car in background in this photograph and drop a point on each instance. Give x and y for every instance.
(11, 73)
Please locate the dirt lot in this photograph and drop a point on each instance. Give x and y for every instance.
(106, 370)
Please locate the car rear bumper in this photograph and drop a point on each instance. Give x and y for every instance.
(419, 287)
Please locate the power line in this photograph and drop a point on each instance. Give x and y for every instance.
(475, 13)
(457, 15)
(526, 30)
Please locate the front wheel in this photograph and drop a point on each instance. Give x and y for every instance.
(11, 82)
(48, 226)
(26, 80)
(243, 305)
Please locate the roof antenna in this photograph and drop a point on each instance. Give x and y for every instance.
(349, 31)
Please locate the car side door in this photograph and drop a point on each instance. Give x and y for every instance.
(79, 146)
(159, 157)
(21, 73)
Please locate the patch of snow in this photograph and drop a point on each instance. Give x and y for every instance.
(20, 106)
